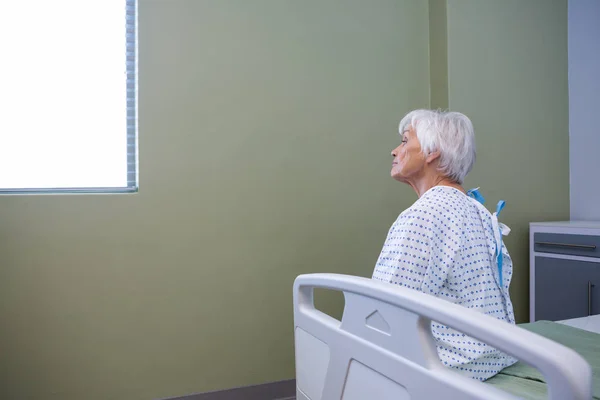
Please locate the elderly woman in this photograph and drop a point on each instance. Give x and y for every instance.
(447, 244)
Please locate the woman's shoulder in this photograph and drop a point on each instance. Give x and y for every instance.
(444, 200)
(443, 207)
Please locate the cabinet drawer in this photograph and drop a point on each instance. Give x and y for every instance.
(560, 243)
(566, 289)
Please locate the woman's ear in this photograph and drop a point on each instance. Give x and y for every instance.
(431, 157)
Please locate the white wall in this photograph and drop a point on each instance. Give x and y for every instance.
(584, 108)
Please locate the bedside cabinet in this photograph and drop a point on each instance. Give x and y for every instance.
(564, 271)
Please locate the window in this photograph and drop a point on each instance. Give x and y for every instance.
(68, 96)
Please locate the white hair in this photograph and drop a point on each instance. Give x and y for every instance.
(450, 133)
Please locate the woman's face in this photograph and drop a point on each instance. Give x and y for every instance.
(409, 160)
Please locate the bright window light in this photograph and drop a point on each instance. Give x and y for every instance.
(67, 95)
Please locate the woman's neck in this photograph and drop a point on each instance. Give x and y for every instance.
(423, 185)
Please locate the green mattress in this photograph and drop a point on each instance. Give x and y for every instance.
(528, 383)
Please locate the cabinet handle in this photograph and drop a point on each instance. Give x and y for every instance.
(568, 245)
(590, 286)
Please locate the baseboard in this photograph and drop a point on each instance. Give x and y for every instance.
(267, 391)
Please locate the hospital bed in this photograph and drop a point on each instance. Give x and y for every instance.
(382, 349)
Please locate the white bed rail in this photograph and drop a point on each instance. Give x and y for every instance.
(383, 348)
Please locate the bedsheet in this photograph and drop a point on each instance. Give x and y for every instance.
(528, 383)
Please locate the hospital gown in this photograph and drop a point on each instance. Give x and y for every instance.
(444, 245)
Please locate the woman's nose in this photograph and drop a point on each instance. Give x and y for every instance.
(395, 152)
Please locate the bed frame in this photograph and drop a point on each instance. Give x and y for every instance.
(383, 349)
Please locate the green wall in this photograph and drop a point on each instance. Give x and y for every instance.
(265, 134)
(507, 70)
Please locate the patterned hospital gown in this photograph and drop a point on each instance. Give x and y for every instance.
(444, 245)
